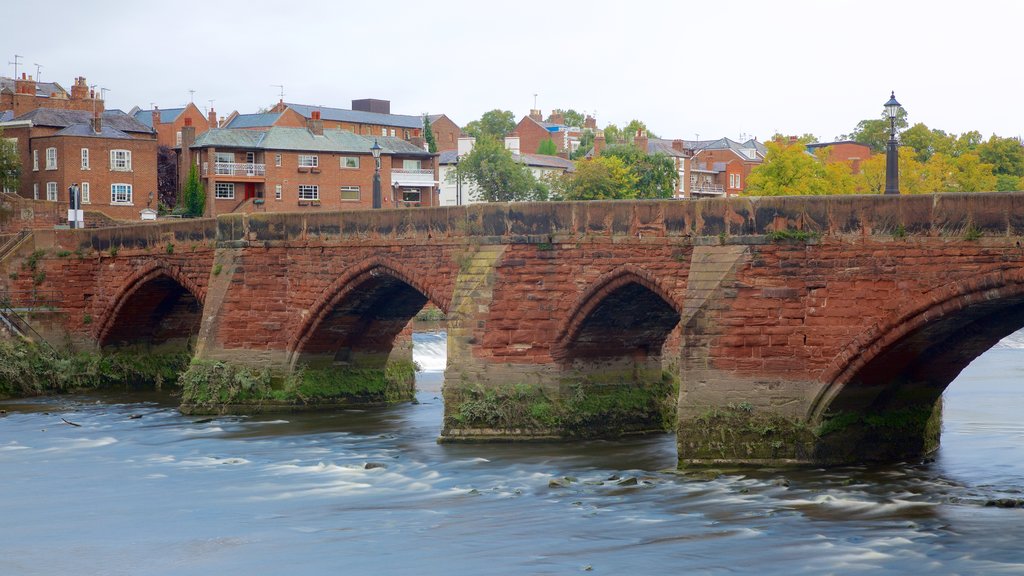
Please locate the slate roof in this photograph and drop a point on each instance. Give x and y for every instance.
(730, 144)
(86, 130)
(64, 118)
(6, 115)
(359, 117)
(166, 116)
(264, 120)
(43, 89)
(301, 139)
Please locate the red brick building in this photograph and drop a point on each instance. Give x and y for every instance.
(23, 95)
(169, 122)
(848, 151)
(726, 163)
(446, 132)
(280, 169)
(110, 155)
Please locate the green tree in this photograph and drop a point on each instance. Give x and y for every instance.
(10, 164)
(613, 135)
(654, 175)
(428, 135)
(787, 170)
(497, 176)
(496, 123)
(547, 147)
(875, 133)
(601, 178)
(193, 198)
(586, 143)
(635, 126)
(570, 117)
(1006, 155)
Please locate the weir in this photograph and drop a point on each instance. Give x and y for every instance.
(762, 330)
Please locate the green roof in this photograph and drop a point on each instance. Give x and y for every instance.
(301, 139)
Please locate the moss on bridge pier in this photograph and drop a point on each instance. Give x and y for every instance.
(215, 387)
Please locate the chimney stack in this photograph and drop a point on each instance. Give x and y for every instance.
(97, 122)
(156, 116)
(590, 122)
(79, 91)
(556, 118)
(315, 124)
(598, 143)
(536, 115)
(640, 140)
(211, 117)
(677, 145)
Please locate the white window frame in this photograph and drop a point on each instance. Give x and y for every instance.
(51, 158)
(224, 191)
(85, 159)
(277, 160)
(738, 182)
(51, 191)
(416, 191)
(383, 131)
(86, 196)
(35, 161)
(177, 138)
(392, 132)
(125, 192)
(350, 189)
(224, 157)
(35, 190)
(346, 160)
(309, 192)
(121, 161)
(277, 192)
(309, 161)
(408, 164)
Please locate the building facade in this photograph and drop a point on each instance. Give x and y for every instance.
(109, 156)
(168, 123)
(281, 169)
(23, 95)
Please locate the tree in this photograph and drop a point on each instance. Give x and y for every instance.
(167, 176)
(586, 143)
(875, 133)
(193, 198)
(787, 170)
(612, 134)
(496, 123)
(655, 175)
(635, 126)
(547, 147)
(428, 135)
(570, 117)
(10, 164)
(601, 178)
(497, 176)
(1006, 155)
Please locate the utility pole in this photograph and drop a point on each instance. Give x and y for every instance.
(17, 57)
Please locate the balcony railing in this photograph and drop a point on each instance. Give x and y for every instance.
(236, 169)
(715, 189)
(403, 177)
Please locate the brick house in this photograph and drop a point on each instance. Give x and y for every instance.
(725, 163)
(282, 169)
(848, 151)
(110, 155)
(23, 95)
(446, 132)
(169, 122)
(542, 166)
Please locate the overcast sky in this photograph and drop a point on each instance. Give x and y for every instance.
(714, 68)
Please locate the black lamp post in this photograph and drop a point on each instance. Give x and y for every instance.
(892, 156)
(375, 150)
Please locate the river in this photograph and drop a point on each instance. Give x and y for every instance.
(136, 488)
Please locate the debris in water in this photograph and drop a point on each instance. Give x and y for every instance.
(66, 421)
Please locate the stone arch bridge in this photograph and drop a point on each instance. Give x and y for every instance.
(764, 330)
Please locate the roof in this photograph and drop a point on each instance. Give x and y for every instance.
(43, 89)
(64, 118)
(660, 146)
(827, 144)
(264, 120)
(86, 130)
(6, 115)
(301, 139)
(448, 157)
(359, 117)
(738, 148)
(166, 116)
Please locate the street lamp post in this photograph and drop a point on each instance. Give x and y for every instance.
(375, 150)
(458, 182)
(892, 156)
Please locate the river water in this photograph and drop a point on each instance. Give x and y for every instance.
(136, 488)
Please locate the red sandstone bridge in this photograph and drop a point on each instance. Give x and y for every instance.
(800, 329)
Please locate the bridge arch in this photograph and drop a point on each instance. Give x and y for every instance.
(356, 319)
(156, 304)
(626, 312)
(880, 400)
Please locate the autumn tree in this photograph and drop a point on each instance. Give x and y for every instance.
(601, 178)
(10, 164)
(496, 123)
(497, 176)
(654, 175)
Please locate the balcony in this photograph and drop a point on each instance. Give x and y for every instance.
(236, 169)
(413, 178)
(707, 189)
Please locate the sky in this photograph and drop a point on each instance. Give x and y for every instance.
(733, 68)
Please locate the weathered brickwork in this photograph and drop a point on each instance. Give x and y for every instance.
(785, 329)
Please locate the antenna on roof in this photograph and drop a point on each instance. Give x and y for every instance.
(16, 58)
(39, 71)
(211, 106)
(191, 95)
(281, 86)
(535, 101)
